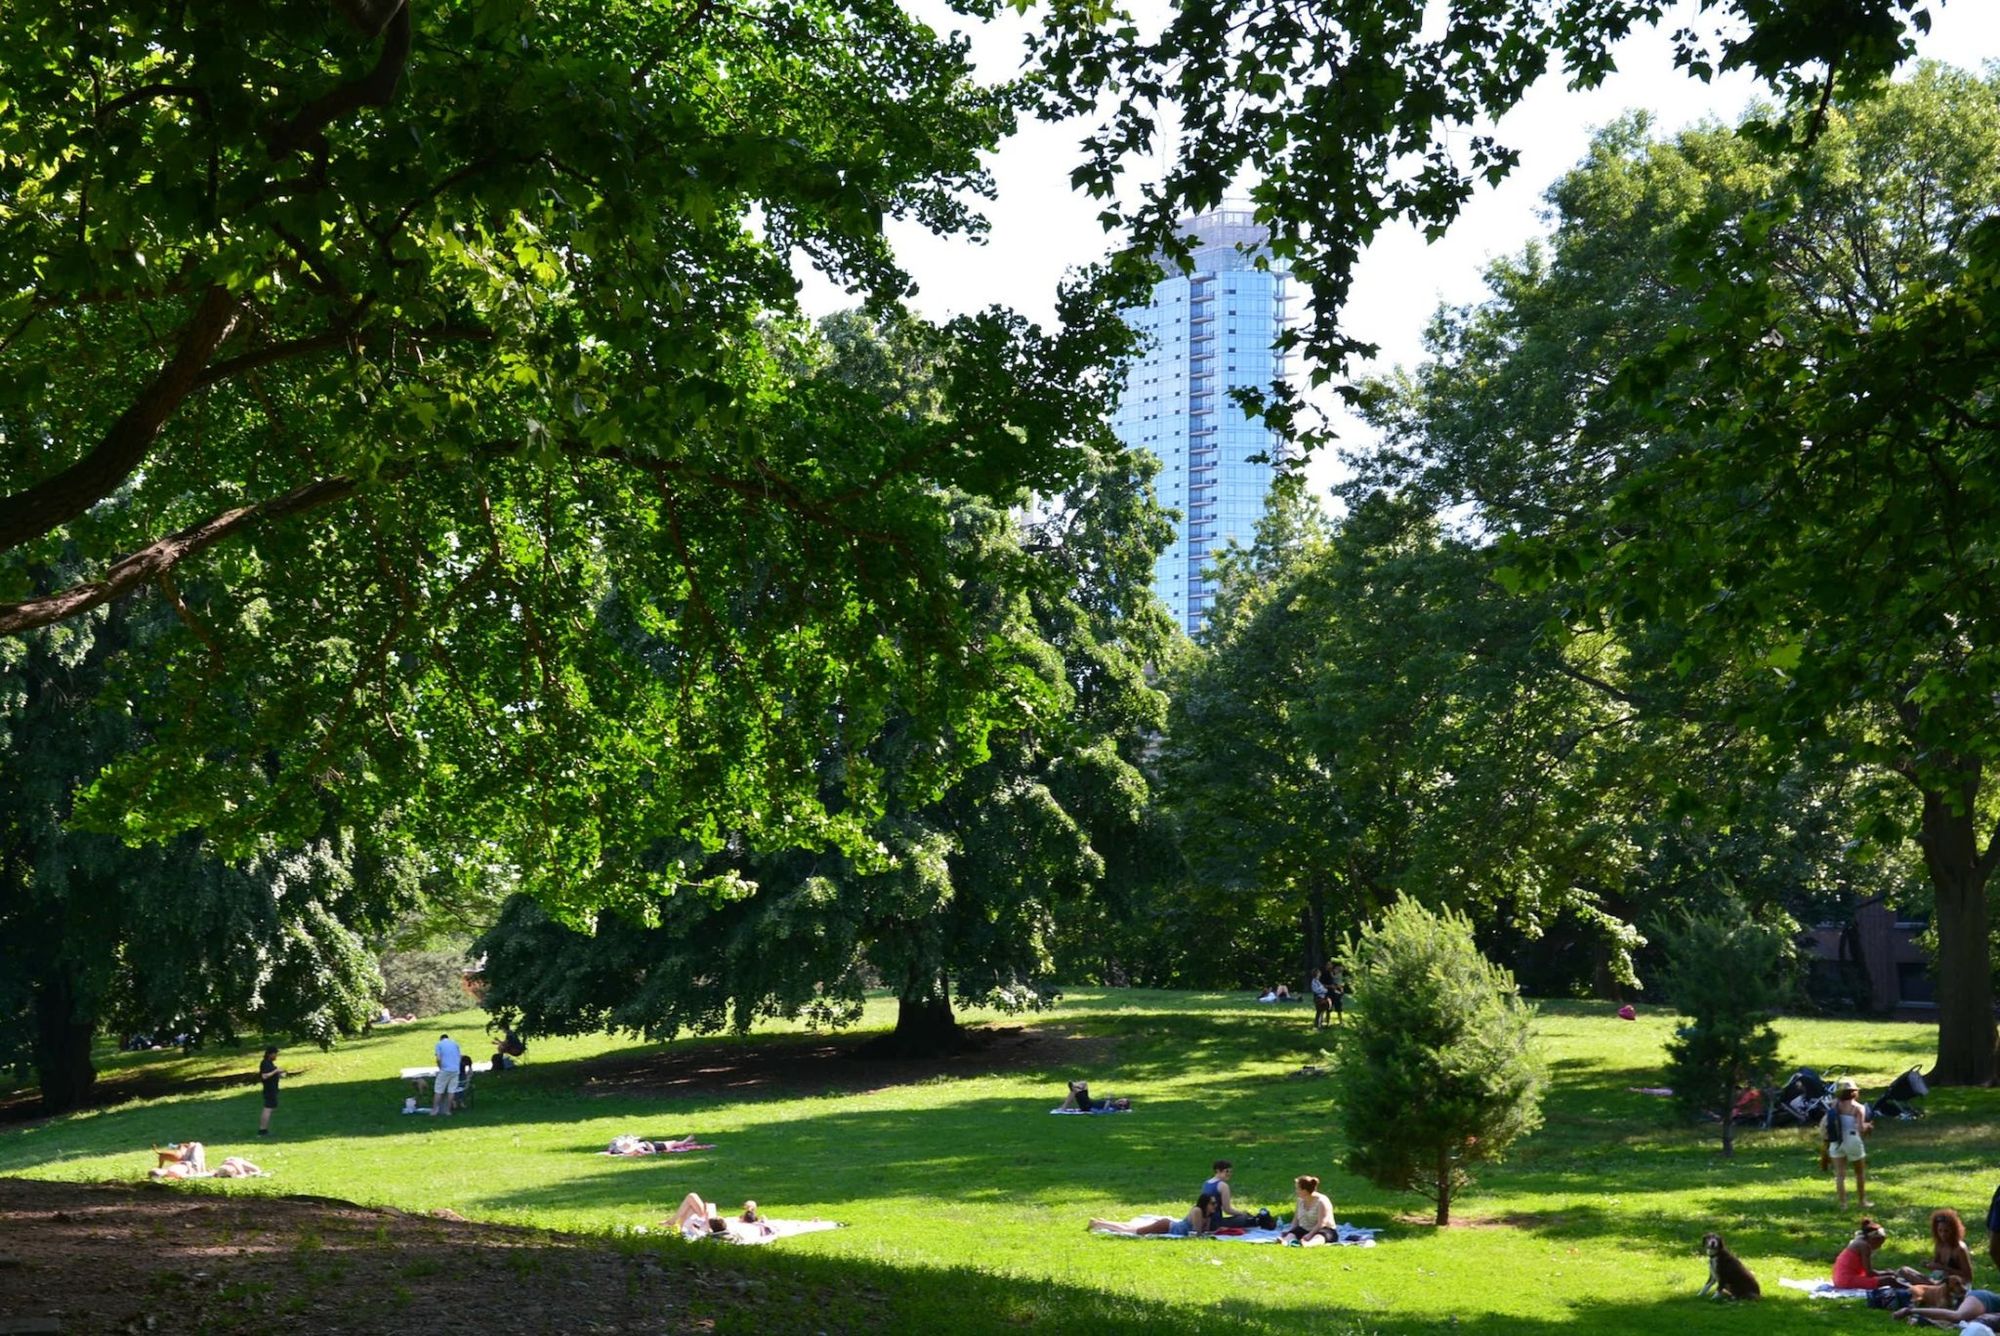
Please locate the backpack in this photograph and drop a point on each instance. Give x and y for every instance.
(1890, 1297)
(1830, 1127)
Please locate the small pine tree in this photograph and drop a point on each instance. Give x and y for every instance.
(1440, 1074)
(1727, 973)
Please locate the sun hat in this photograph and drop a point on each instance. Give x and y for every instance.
(1847, 1084)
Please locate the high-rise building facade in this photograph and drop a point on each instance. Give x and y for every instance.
(1206, 333)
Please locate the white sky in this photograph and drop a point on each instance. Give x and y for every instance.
(1041, 229)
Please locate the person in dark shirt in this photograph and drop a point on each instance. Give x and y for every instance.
(268, 1073)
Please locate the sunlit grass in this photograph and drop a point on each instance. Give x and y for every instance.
(966, 1202)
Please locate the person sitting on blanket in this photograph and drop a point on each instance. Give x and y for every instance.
(1312, 1219)
(698, 1219)
(1079, 1100)
(1949, 1255)
(1218, 1184)
(1855, 1269)
(1976, 1304)
(1203, 1218)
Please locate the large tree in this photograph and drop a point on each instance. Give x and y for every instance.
(438, 380)
(959, 893)
(169, 938)
(1752, 444)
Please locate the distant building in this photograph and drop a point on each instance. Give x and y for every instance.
(1871, 962)
(1207, 333)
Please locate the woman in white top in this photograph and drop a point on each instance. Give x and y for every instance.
(1848, 1123)
(1312, 1216)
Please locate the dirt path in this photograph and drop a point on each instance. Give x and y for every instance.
(116, 1258)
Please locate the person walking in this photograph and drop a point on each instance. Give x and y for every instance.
(447, 1055)
(268, 1073)
(1846, 1124)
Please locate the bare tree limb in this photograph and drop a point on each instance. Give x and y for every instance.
(152, 561)
(53, 502)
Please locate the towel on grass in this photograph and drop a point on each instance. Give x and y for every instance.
(1347, 1236)
(639, 1146)
(1090, 1113)
(766, 1230)
(1822, 1289)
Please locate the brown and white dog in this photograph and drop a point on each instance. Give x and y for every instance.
(1950, 1293)
(1727, 1275)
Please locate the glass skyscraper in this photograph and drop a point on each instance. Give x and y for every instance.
(1206, 333)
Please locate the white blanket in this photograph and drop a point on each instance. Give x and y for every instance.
(767, 1231)
(1346, 1236)
(1823, 1289)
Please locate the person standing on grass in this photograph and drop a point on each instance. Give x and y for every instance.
(268, 1073)
(1336, 989)
(447, 1055)
(1322, 1001)
(1846, 1124)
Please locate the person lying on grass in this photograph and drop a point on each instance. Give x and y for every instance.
(630, 1145)
(1976, 1304)
(697, 1218)
(1312, 1217)
(1204, 1217)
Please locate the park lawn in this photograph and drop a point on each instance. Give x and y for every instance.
(965, 1202)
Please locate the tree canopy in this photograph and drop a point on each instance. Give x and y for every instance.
(1749, 445)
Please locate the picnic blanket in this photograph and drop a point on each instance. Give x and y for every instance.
(1089, 1113)
(768, 1231)
(230, 1168)
(1822, 1289)
(631, 1147)
(1346, 1236)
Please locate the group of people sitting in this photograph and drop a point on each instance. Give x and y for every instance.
(1329, 990)
(1312, 1223)
(1945, 1280)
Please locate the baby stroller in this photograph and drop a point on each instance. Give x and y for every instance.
(1800, 1102)
(1899, 1100)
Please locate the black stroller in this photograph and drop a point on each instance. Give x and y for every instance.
(1800, 1102)
(1899, 1100)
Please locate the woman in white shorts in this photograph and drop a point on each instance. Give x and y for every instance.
(1847, 1124)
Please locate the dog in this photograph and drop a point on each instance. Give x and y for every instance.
(1727, 1275)
(1948, 1294)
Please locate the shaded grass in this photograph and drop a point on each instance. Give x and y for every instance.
(966, 1202)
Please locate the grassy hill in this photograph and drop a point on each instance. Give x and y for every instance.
(966, 1202)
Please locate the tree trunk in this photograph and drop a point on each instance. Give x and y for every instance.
(1729, 1117)
(925, 1027)
(1312, 923)
(1444, 1187)
(1966, 1032)
(62, 1046)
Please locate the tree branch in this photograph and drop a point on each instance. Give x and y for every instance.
(53, 502)
(154, 560)
(373, 89)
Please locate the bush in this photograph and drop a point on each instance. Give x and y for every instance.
(424, 983)
(1436, 1073)
(1727, 973)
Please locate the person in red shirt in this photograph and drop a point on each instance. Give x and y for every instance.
(1855, 1269)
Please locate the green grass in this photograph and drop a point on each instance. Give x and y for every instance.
(966, 1202)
